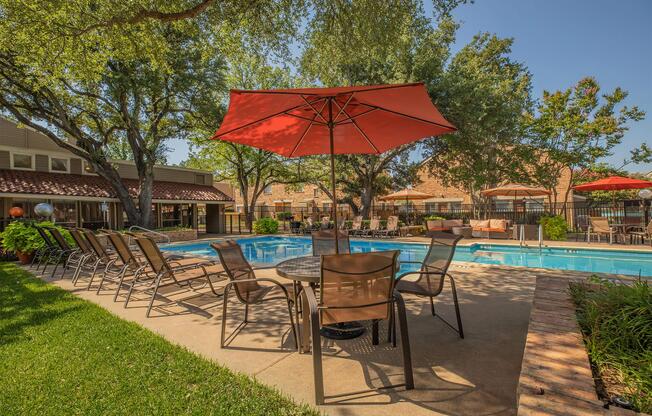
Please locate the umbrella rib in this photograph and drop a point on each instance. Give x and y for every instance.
(315, 110)
(411, 117)
(343, 107)
(251, 123)
(312, 120)
(351, 118)
(359, 129)
(296, 146)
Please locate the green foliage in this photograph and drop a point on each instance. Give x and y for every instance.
(284, 216)
(574, 128)
(433, 218)
(484, 93)
(616, 320)
(554, 227)
(266, 225)
(49, 334)
(20, 236)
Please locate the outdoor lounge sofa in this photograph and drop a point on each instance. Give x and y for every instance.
(443, 225)
(492, 228)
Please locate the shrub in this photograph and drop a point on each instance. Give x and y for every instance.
(21, 236)
(283, 216)
(554, 227)
(616, 320)
(433, 218)
(266, 226)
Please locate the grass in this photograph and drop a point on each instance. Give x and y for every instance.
(62, 355)
(616, 320)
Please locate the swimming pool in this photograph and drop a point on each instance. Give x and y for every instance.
(273, 249)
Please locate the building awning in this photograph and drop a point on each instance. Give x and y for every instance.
(95, 187)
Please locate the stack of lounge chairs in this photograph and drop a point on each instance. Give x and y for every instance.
(375, 230)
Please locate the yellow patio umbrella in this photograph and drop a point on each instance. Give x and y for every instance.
(407, 195)
(515, 190)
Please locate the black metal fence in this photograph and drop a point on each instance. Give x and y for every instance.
(576, 213)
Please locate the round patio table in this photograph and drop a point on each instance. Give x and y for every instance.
(307, 269)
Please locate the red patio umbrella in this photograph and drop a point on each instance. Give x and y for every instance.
(342, 120)
(613, 183)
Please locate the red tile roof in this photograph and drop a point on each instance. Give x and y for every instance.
(63, 184)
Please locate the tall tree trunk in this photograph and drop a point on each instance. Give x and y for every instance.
(366, 198)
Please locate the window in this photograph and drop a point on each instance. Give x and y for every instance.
(88, 168)
(456, 206)
(268, 190)
(431, 207)
(299, 188)
(58, 164)
(316, 192)
(200, 179)
(23, 161)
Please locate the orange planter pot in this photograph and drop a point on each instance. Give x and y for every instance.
(24, 258)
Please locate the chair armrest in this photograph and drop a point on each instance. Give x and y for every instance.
(411, 262)
(258, 279)
(191, 266)
(420, 273)
(264, 267)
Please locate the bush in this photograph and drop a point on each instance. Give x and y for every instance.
(433, 218)
(21, 236)
(554, 227)
(616, 320)
(283, 216)
(266, 226)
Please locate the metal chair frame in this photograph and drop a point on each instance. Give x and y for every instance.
(63, 254)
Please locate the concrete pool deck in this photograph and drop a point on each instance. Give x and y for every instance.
(477, 375)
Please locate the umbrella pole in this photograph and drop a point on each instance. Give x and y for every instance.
(332, 143)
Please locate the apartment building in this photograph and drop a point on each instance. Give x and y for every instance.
(33, 169)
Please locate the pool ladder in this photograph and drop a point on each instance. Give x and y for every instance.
(521, 237)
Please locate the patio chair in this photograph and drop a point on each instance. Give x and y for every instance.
(641, 233)
(392, 228)
(374, 226)
(323, 242)
(431, 275)
(125, 264)
(63, 254)
(168, 274)
(599, 226)
(43, 255)
(102, 255)
(84, 256)
(355, 287)
(247, 287)
(356, 226)
(310, 226)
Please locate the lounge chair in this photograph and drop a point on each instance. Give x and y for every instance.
(323, 242)
(85, 257)
(63, 254)
(391, 230)
(167, 274)
(432, 273)
(103, 257)
(355, 287)
(43, 255)
(356, 226)
(374, 225)
(247, 286)
(599, 226)
(126, 264)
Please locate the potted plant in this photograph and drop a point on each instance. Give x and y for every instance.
(23, 239)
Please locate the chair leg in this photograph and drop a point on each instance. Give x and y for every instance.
(90, 281)
(316, 358)
(151, 301)
(223, 331)
(391, 324)
(460, 329)
(432, 306)
(246, 317)
(374, 332)
(405, 342)
(294, 329)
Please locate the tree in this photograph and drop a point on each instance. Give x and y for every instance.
(370, 42)
(574, 128)
(484, 93)
(94, 75)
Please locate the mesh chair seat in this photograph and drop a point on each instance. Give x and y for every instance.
(196, 273)
(414, 288)
(323, 242)
(262, 292)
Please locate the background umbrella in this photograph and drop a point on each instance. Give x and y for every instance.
(343, 120)
(407, 195)
(515, 190)
(613, 183)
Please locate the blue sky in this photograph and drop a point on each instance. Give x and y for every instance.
(562, 41)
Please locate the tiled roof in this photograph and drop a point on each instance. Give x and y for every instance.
(63, 184)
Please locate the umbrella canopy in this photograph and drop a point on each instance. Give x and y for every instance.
(613, 183)
(515, 190)
(343, 120)
(363, 120)
(406, 195)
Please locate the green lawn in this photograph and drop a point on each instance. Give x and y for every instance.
(63, 355)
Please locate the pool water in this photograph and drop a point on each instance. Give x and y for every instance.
(272, 249)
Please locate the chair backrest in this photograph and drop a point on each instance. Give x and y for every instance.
(599, 224)
(44, 236)
(56, 234)
(323, 242)
(374, 224)
(355, 287)
(392, 223)
(80, 241)
(96, 245)
(122, 248)
(437, 261)
(153, 255)
(237, 268)
(357, 223)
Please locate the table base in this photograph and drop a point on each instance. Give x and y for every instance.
(348, 330)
